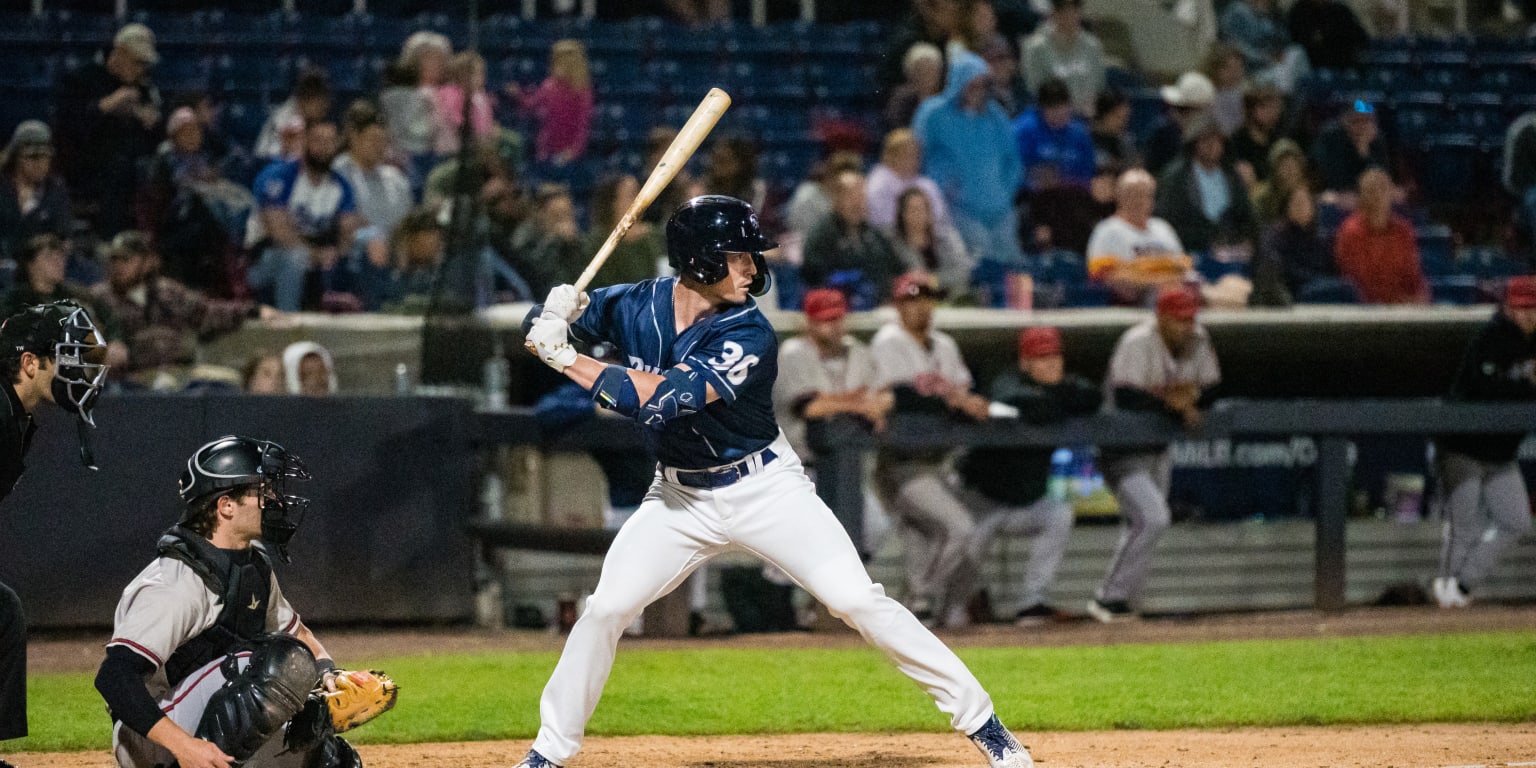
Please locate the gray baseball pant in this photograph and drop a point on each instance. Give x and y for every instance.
(1140, 482)
(1048, 524)
(1486, 511)
(937, 528)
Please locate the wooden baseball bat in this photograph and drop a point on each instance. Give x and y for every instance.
(687, 142)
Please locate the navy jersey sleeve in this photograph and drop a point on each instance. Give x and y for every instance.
(597, 321)
(735, 357)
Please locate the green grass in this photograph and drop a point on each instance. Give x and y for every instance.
(1434, 678)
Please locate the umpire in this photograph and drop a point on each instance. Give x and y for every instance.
(48, 353)
(1486, 505)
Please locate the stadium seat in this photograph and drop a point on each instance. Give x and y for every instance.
(1450, 162)
(1436, 251)
(1455, 289)
(1328, 291)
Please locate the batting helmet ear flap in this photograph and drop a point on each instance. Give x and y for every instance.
(764, 278)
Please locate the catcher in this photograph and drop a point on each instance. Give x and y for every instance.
(208, 664)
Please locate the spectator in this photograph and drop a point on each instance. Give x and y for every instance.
(408, 101)
(812, 198)
(33, 200)
(1062, 49)
(263, 374)
(1133, 251)
(1292, 254)
(492, 159)
(1186, 100)
(900, 169)
(1205, 200)
(1249, 147)
(923, 368)
(1163, 365)
(925, 245)
(160, 317)
(108, 115)
(546, 248)
(403, 281)
(1006, 487)
(307, 217)
(1224, 67)
(826, 374)
(700, 12)
(1519, 164)
(1255, 29)
(1329, 32)
(465, 75)
(642, 250)
(968, 148)
(731, 169)
(1376, 250)
(977, 25)
(380, 192)
(310, 102)
(1288, 170)
(923, 66)
(1347, 146)
(934, 22)
(563, 105)
(675, 193)
(196, 217)
(1009, 89)
(1054, 144)
(40, 280)
(1114, 149)
(308, 370)
(844, 247)
(1487, 508)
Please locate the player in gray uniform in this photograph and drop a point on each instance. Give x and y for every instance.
(1486, 506)
(208, 663)
(1164, 365)
(922, 366)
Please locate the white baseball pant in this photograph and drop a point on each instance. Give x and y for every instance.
(776, 515)
(1140, 482)
(1487, 510)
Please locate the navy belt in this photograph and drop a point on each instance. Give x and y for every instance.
(720, 477)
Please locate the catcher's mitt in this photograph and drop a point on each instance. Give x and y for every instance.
(360, 696)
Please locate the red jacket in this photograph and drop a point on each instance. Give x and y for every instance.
(1383, 264)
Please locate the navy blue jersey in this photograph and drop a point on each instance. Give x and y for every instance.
(735, 350)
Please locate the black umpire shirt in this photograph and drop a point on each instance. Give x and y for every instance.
(16, 428)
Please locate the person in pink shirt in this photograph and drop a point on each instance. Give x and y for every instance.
(1376, 250)
(465, 74)
(563, 105)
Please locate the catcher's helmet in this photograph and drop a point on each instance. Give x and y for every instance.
(705, 229)
(231, 462)
(62, 331)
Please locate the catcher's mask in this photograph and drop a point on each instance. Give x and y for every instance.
(231, 462)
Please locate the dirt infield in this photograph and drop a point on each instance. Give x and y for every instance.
(1408, 746)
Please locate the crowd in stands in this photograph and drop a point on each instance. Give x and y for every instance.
(1001, 145)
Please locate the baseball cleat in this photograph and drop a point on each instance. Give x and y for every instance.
(1449, 594)
(535, 760)
(1035, 616)
(1000, 746)
(1110, 610)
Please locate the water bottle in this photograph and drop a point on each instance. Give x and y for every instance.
(495, 377)
(402, 380)
(1061, 474)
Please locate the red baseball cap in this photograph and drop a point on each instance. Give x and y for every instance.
(1041, 341)
(1178, 303)
(914, 285)
(825, 304)
(1520, 292)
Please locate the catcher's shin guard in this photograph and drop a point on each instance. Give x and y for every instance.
(254, 704)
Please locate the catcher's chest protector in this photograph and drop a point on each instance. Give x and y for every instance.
(245, 589)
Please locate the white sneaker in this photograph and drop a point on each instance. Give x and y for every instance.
(535, 760)
(1000, 746)
(1448, 594)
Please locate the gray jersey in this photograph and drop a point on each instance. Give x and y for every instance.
(168, 604)
(1141, 361)
(803, 372)
(900, 359)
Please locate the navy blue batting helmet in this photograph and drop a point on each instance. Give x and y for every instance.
(705, 229)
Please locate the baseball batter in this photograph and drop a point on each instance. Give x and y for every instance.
(701, 367)
(208, 663)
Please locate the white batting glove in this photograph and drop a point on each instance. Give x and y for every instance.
(565, 303)
(550, 339)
